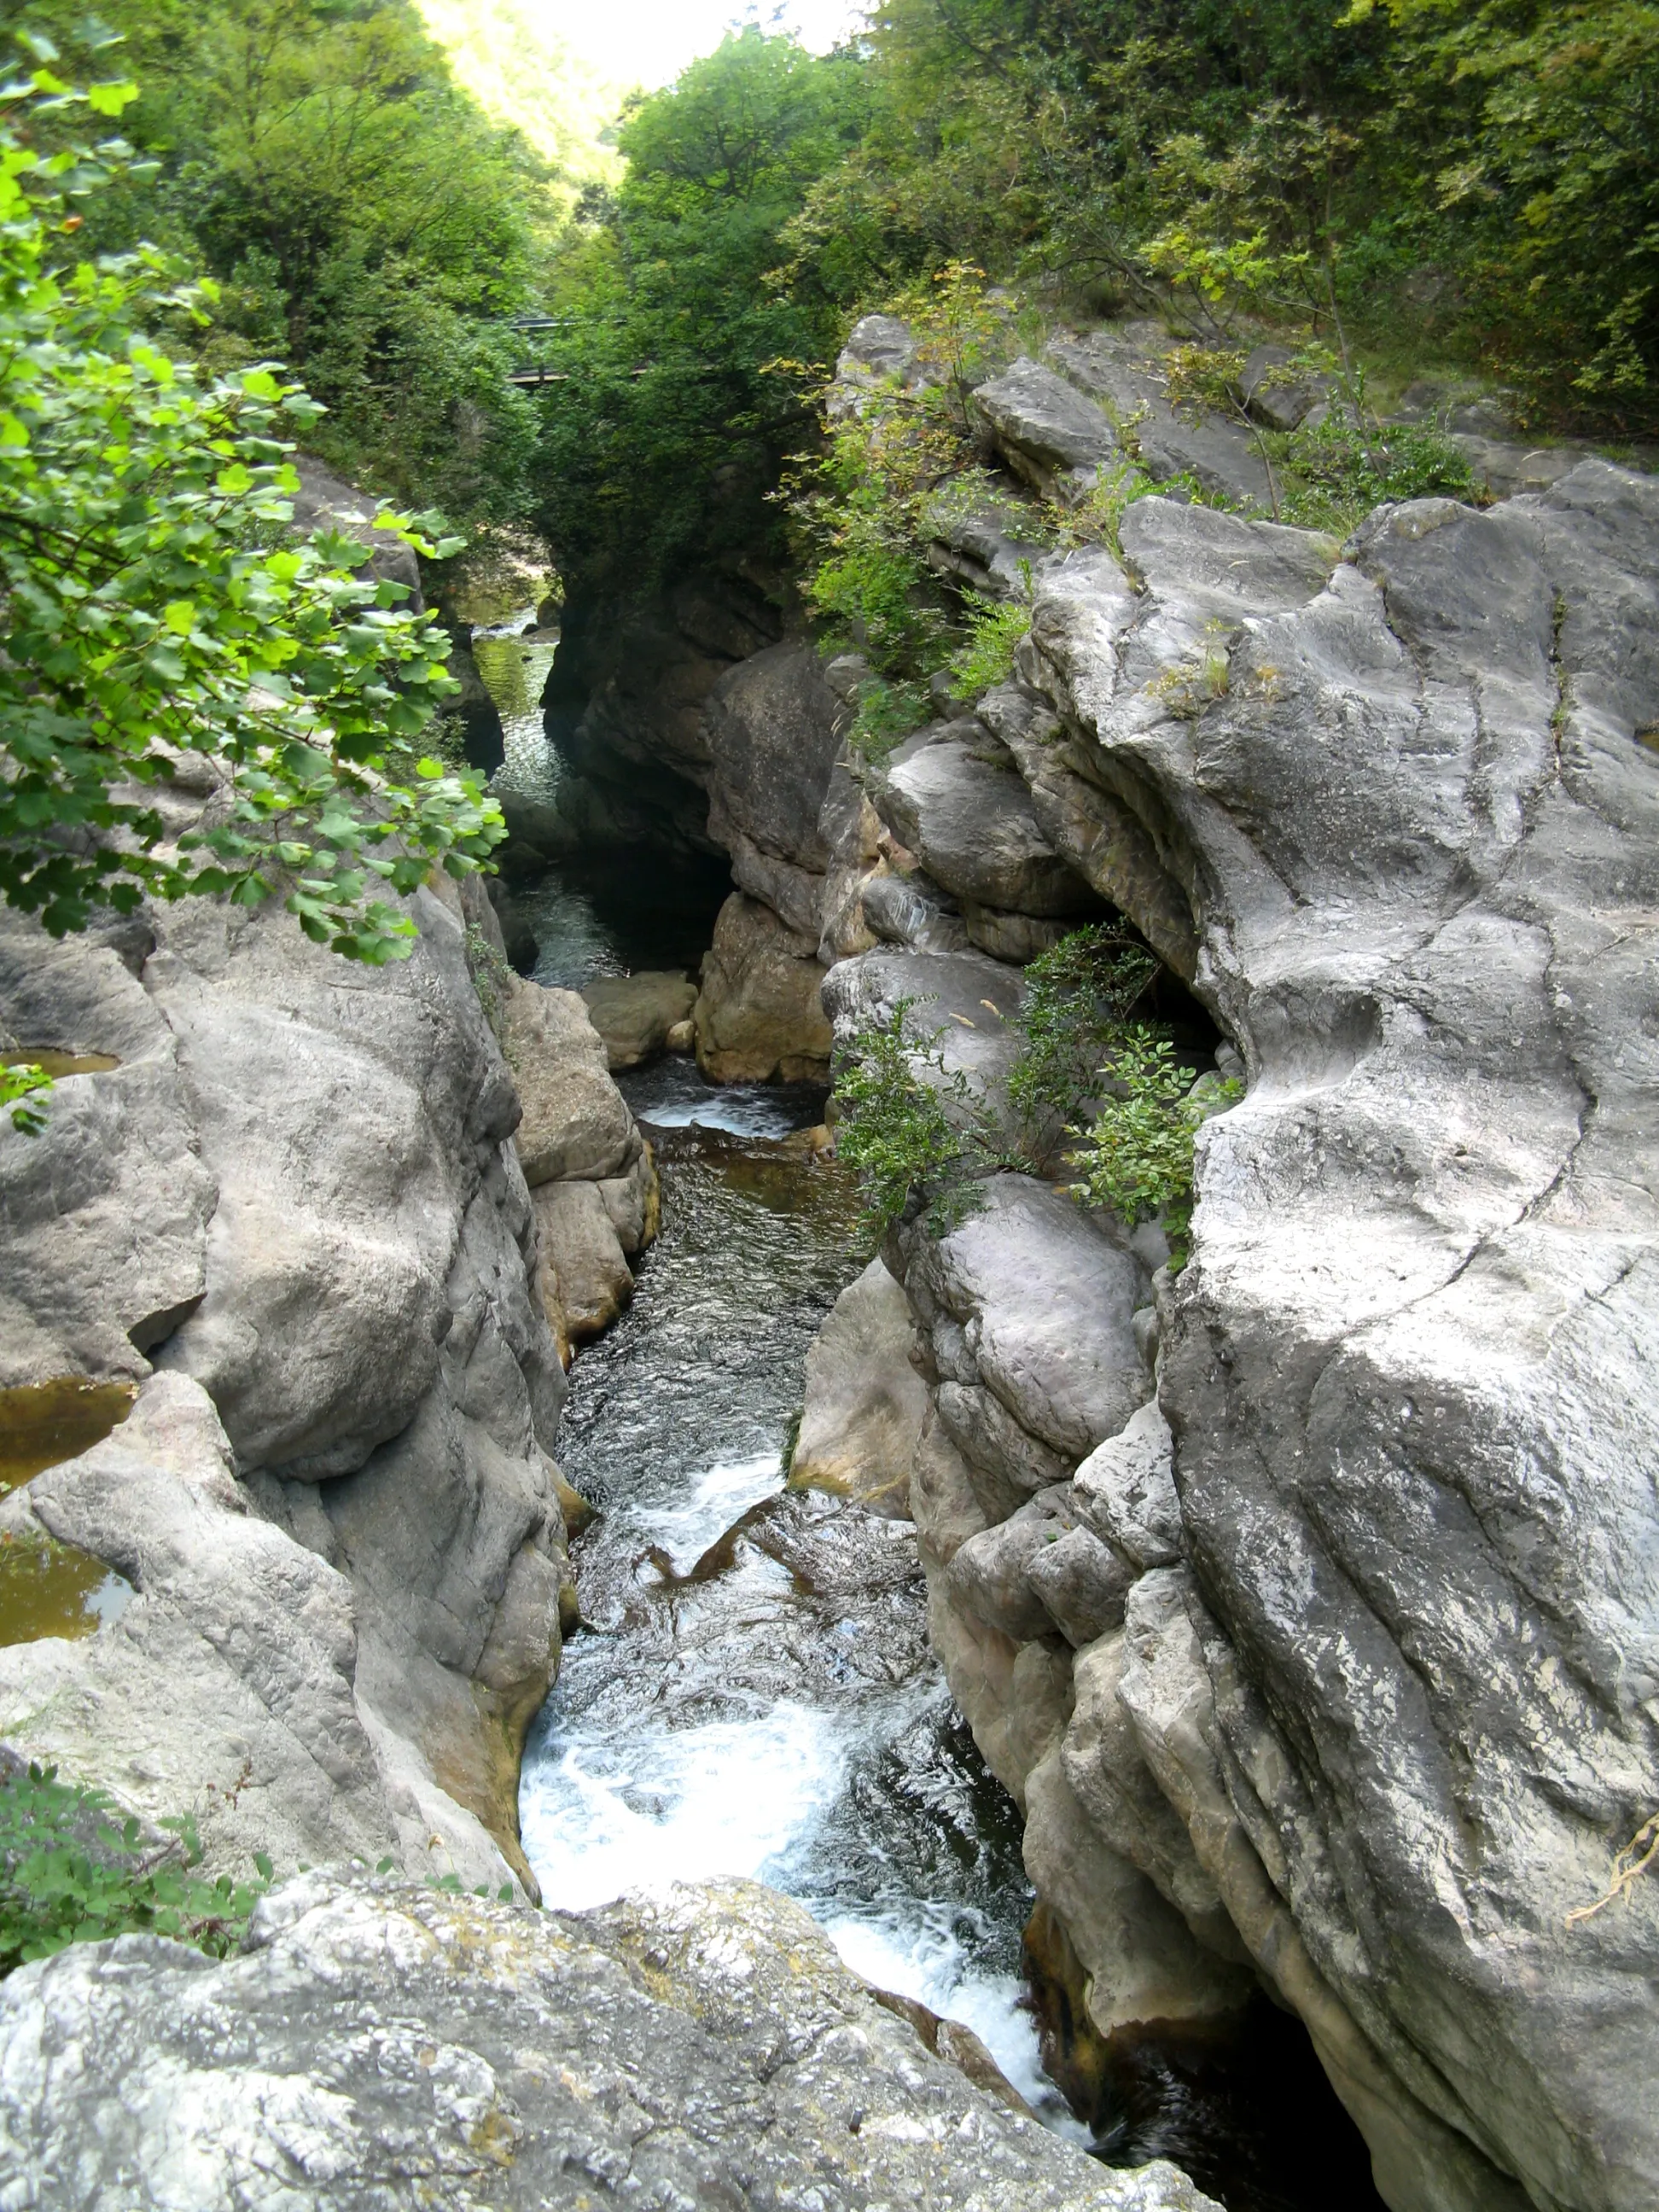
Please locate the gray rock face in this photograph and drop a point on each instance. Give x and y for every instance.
(1117, 367)
(1044, 1300)
(1278, 399)
(103, 1217)
(374, 2045)
(773, 728)
(326, 501)
(865, 1400)
(350, 1557)
(759, 1013)
(1046, 430)
(1414, 826)
(574, 1122)
(951, 797)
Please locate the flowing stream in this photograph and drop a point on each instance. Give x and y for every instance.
(752, 1693)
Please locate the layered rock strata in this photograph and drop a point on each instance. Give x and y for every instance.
(290, 1207)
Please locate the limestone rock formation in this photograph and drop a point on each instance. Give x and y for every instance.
(593, 1182)
(317, 1229)
(1382, 1707)
(705, 2047)
(865, 1400)
(1046, 430)
(759, 1013)
(636, 1014)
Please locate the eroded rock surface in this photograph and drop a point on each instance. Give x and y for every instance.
(295, 1206)
(1382, 1705)
(374, 2045)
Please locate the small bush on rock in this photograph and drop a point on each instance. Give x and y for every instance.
(71, 1871)
(911, 1128)
(1136, 1158)
(1077, 997)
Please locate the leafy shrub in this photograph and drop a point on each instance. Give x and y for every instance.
(994, 630)
(1136, 1158)
(911, 1127)
(1078, 997)
(17, 1086)
(149, 607)
(1337, 470)
(70, 1872)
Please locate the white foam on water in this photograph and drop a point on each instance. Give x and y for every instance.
(689, 1804)
(922, 1950)
(718, 1496)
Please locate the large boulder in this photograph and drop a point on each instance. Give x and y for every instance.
(953, 797)
(331, 1254)
(774, 731)
(1045, 1301)
(1402, 1693)
(576, 1122)
(1118, 367)
(759, 1013)
(373, 2045)
(865, 1401)
(634, 1014)
(103, 1215)
(1046, 430)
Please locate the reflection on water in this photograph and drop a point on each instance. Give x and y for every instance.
(623, 912)
(767, 1705)
(48, 1588)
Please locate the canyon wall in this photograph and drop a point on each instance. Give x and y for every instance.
(1306, 1599)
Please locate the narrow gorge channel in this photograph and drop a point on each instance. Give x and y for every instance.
(752, 1691)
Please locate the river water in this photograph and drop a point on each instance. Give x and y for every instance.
(752, 1691)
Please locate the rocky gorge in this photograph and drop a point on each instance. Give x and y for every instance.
(1302, 1596)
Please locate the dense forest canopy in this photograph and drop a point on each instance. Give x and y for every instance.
(1465, 182)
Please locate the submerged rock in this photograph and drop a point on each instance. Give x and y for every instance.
(636, 1015)
(374, 2045)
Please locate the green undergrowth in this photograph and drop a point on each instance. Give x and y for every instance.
(1092, 1085)
(74, 1870)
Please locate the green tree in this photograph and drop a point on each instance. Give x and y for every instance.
(153, 605)
(668, 425)
(365, 222)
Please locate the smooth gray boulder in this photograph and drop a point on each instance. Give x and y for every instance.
(376, 2046)
(103, 1215)
(1046, 430)
(586, 1274)
(1117, 367)
(963, 1002)
(865, 1401)
(1045, 1299)
(229, 1684)
(773, 730)
(574, 1122)
(634, 1014)
(1409, 1367)
(953, 798)
(1124, 1491)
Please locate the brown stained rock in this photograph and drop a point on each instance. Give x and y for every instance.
(865, 1401)
(634, 1015)
(759, 1014)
